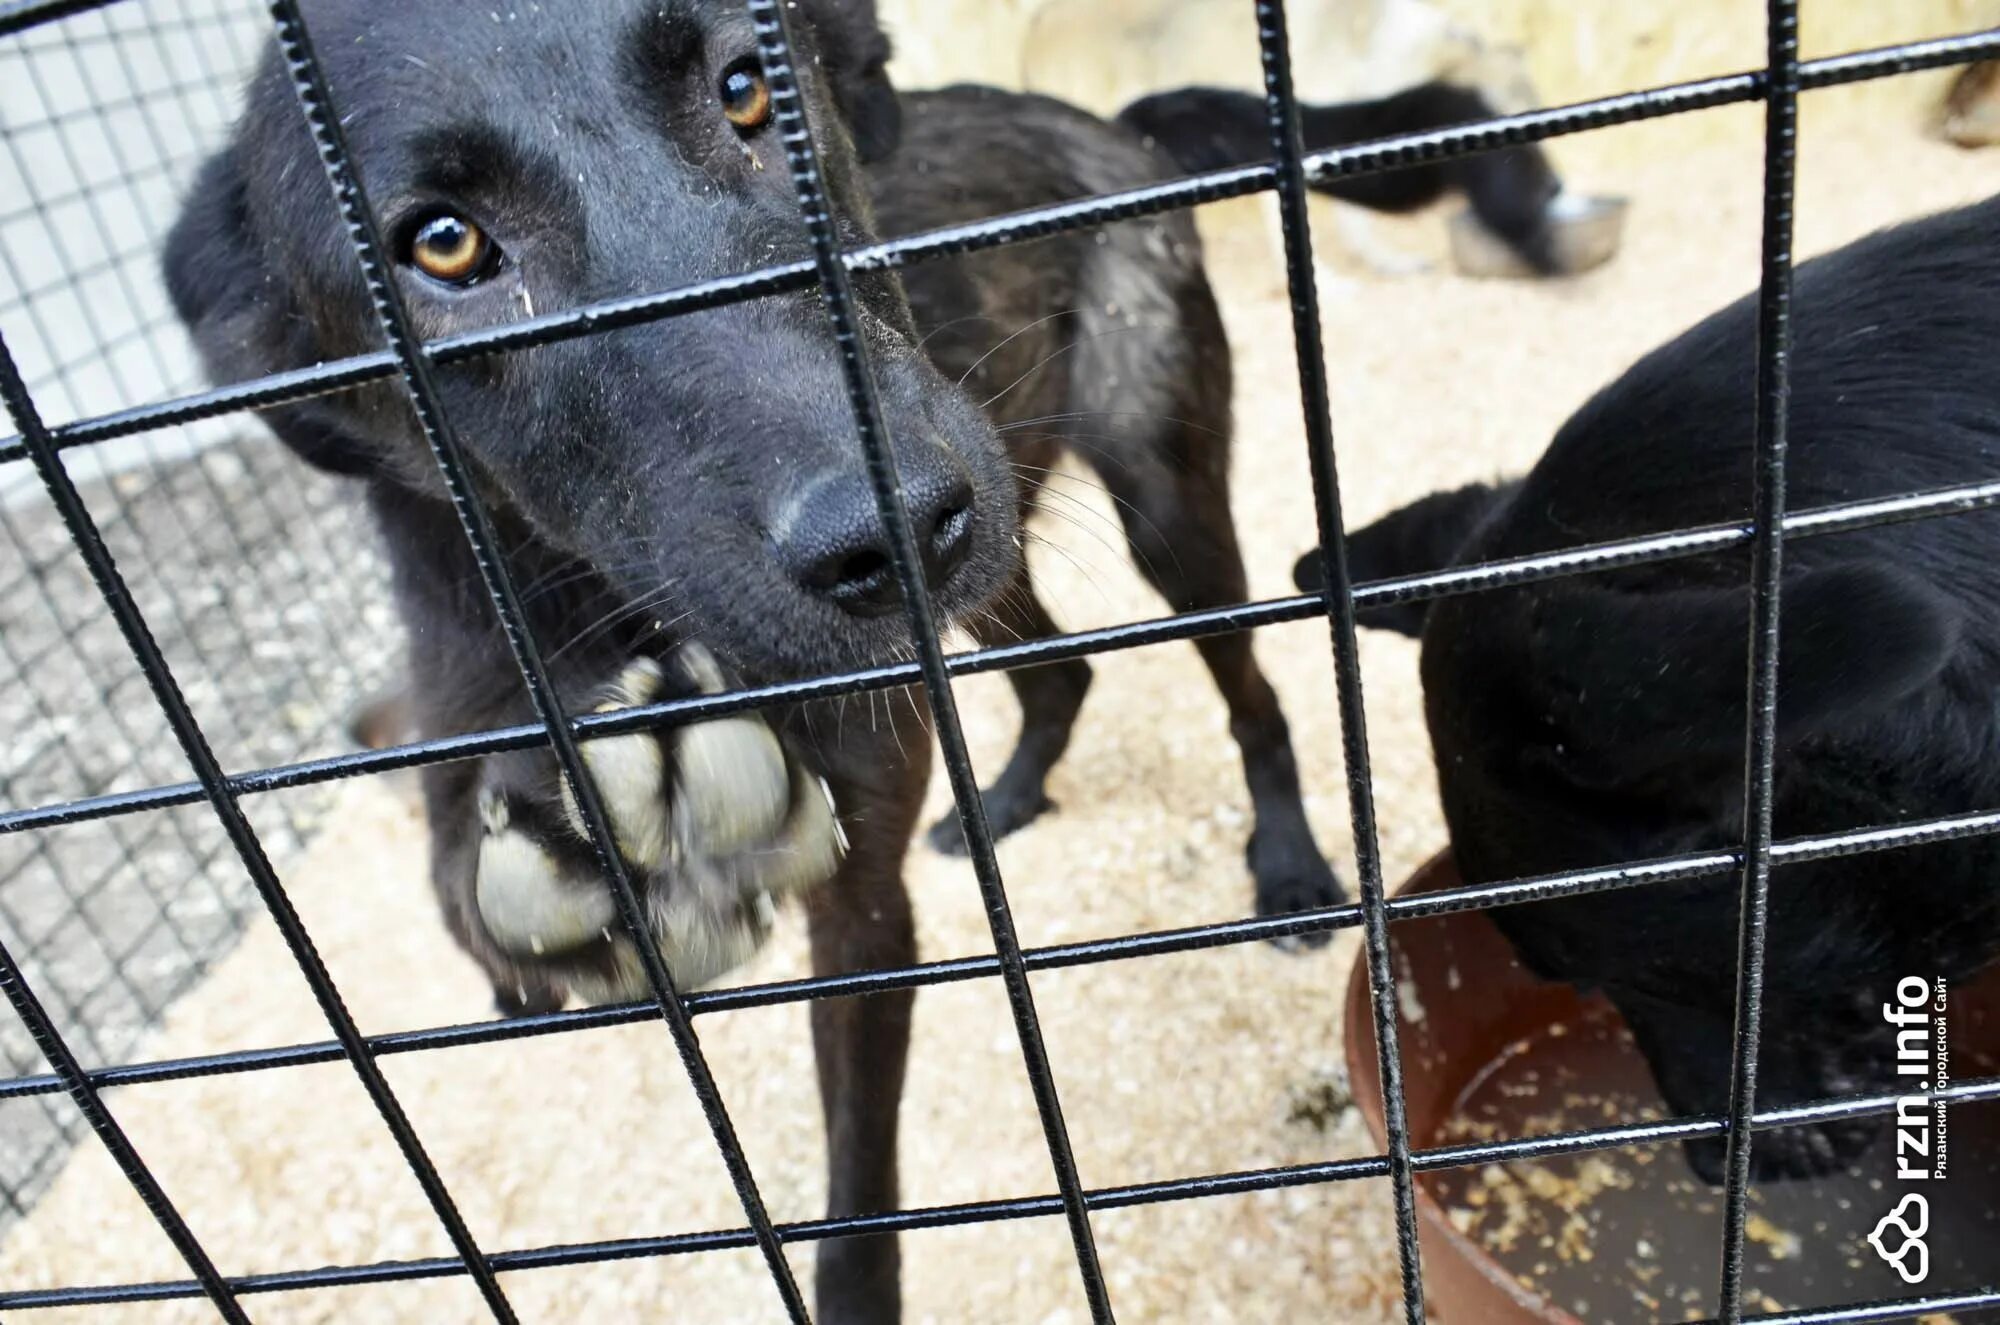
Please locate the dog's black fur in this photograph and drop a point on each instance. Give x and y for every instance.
(1210, 128)
(1582, 722)
(699, 477)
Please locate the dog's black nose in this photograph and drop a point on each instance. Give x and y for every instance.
(836, 546)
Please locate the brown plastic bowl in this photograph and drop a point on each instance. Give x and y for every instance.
(1476, 998)
(1462, 999)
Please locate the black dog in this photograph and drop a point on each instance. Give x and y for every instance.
(1583, 722)
(686, 499)
(1510, 191)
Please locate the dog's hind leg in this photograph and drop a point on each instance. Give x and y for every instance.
(1184, 542)
(1050, 697)
(1152, 357)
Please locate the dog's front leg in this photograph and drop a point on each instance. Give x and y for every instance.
(861, 921)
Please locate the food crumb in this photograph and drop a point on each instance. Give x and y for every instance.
(1782, 1243)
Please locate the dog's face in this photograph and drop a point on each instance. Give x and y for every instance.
(533, 159)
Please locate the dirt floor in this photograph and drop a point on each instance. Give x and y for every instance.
(1187, 1065)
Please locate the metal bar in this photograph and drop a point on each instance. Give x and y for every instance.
(20, 15)
(1282, 110)
(775, 53)
(1985, 1090)
(1089, 952)
(1774, 309)
(1033, 223)
(1586, 559)
(364, 234)
(207, 1279)
(1938, 1306)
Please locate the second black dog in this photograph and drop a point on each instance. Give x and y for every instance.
(1583, 722)
(1509, 190)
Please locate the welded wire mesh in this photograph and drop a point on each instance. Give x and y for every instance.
(258, 574)
(55, 452)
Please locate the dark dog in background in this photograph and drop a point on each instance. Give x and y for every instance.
(685, 501)
(1510, 191)
(1582, 722)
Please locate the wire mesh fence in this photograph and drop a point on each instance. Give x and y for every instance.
(72, 403)
(261, 580)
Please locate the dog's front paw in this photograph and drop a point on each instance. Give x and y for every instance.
(1008, 810)
(716, 823)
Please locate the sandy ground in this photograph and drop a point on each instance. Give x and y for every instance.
(1168, 1067)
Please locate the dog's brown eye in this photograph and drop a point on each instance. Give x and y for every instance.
(451, 249)
(746, 100)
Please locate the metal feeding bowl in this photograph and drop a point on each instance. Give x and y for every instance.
(1619, 1235)
(1585, 231)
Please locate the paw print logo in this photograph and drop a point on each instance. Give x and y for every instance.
(1912, 1259)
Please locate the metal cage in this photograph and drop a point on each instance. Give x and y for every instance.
(170, 666)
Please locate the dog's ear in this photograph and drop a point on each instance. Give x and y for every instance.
(216, 276)
(856, 53)
(1424, 536)
(220, 281)
(1643, 679)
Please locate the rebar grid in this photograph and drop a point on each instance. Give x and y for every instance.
(774, 52)
(1767, 547)
(1288, 146)
(1289, 173)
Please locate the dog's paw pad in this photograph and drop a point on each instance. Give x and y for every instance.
(732, 785)
(702, 941)
(529, 904)
(630, 773)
